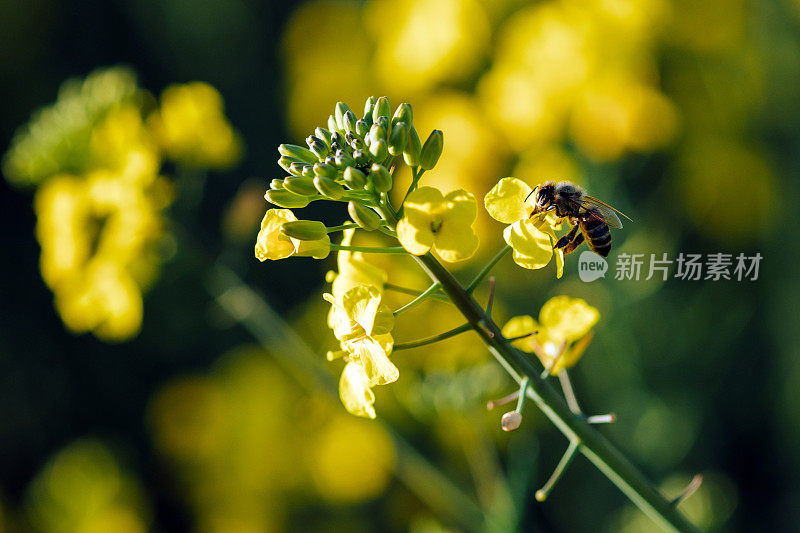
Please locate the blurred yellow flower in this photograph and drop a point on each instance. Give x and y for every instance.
(98, 236)
(441, 223)
(121, 142)
(430, 42)
(531, 238)
(272, 244)
(191, 127)
(564, 331)
(84, 489)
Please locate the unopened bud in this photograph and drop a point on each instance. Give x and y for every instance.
(354, 178)
(308, 171)
(511, 421)
(322, 133)
(363, 216)
(344, 160)
(276, 184)
(296, 168)
(286, 199)
(403, 113)
(332, 124)
(398, 138)
(369, 105)
(361, 157)
(339, 113)
(376, 132)
(328, 188)
(304, 230)
(431, 150)
(350, 121)
(379, 149)
(380, 178)
(325, 170)
(413, 148)
(362, 127)
(286, 163)
(357, 144)
(297, 152)
(300, 185)
(381, 109)
(318, 147)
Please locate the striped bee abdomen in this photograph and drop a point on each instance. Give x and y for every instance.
(597, 234)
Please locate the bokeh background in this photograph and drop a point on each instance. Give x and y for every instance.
(211, 407)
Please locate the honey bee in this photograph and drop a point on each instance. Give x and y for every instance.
(592, 216)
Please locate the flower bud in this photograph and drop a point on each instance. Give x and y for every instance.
(363, 216)
(376, 132)
(431, 150)
(398, 138)
(300, 185)
(350, 121)
(403, 113)
(379, 150)
(337, 138)
(332, 124)
(318, 147)
(296, 168)
(331, 160)
(341, 110)
(362, 127)
(380, 178)
(328, 188)
(383, 122)
(343, 159)
(322, 133)
(276, 184)
(286, 199)
(308, 171)
(381, 109)
(369, 105)
(361, 157)
(413, 148)
(325, 170)
(286, 163)
(297, 152)
(354, 178)
(304, 230)
(357, 144)
(511, 421)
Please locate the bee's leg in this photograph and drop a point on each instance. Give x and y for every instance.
(574, 243)
(566, 239)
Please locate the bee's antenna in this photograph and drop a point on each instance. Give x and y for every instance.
(529, 194)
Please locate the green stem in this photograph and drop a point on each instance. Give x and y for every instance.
(436, 338)
(429, 292)
(593, 444)
(368, 249)
(569, 455)
(483, 273)
(334, 229)
(413, 292)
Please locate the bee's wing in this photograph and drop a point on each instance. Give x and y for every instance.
(599, 211)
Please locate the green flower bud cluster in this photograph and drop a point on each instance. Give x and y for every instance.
(350, 160)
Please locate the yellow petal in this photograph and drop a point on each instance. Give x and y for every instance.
(573, 353)
(361, 304)
(532, 247)
(568, 318)
(372, 357)
(518, 326)
(506, 201)
(354, 391)
(460, 205)
(427, 200)
(455, 241)
(271, 243)
(559, 253)
(417, 240)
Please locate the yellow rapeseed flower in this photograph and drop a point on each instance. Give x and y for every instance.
(531, 238)
(441, 223)
(363, 327)
(272, 244)
(564, 331)
(355, 392)
(192, 129)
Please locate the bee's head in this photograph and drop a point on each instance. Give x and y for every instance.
(544, 196)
